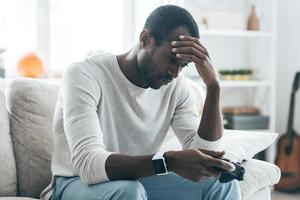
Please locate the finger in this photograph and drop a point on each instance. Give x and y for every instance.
(210, 172)
(220, 154)
(177, 44)
(192, 58)
(202, 178)
(190, 50)
(214, 162)
(215, 154)
(213, 172)
(210, 152)
(188, 37)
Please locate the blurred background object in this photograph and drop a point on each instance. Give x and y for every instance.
(241, 110)
(253, 21)
(225, 21)
(31, 66)
(236, 74)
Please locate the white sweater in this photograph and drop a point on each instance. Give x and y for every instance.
(99, 112)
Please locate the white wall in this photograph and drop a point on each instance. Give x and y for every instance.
(288, 61)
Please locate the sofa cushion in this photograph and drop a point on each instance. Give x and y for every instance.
(8, 182)
(31, 106)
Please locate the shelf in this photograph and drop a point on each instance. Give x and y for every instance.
(234, 33)
(264, 130)
(252, 83)
(239, 84)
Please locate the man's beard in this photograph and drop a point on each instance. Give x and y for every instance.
(144, 73)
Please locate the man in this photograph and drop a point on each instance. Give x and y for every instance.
(114, 112)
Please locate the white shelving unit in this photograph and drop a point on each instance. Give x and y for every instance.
(242, 49)
(237, 48)
(237, 83)
(234, 33)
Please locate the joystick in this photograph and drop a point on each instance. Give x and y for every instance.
(227, 176)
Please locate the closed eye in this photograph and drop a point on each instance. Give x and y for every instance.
(174, 61)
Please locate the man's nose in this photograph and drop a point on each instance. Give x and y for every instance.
(174, 71)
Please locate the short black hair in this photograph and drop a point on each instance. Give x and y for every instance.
(166, 18)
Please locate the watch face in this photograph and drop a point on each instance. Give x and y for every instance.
(159, 166)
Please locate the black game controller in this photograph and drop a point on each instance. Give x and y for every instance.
(227, 176)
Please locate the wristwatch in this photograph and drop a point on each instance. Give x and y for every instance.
(159, 164)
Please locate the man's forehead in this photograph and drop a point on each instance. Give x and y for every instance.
(174, 34)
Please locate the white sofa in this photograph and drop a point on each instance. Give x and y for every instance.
(26, 111)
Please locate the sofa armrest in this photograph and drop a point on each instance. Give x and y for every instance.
(264, 193)
(258, 175)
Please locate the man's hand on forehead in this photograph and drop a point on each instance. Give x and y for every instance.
(188, 45)
(189, 49)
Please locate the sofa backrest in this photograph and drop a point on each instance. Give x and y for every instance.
(31, 104)
(7, 159)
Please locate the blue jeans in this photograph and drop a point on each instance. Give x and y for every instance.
(166, 187)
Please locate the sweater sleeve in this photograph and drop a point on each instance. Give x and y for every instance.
(187, 116)
(81, 95)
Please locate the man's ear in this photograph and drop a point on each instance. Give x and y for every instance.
(145, 38)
